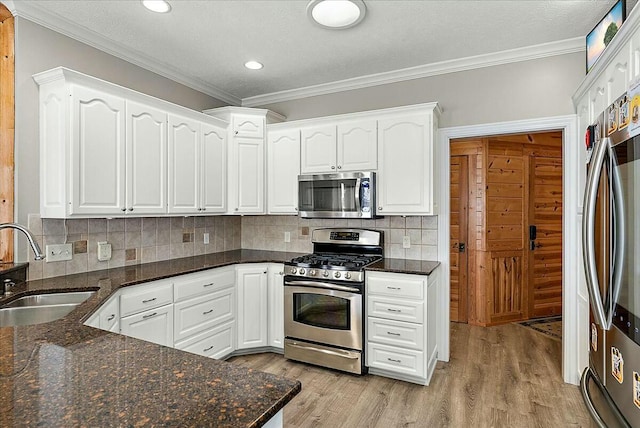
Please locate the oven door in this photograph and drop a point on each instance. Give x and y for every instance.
(323, 313)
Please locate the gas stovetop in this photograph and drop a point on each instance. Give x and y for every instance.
(339, 254)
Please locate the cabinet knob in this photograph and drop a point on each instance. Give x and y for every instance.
(333, 167)
(131, 209)
(236, 132)
(379, 208)
(123, 209)
(204, 209)
(236, 209)
(339, 166)
(296, 208)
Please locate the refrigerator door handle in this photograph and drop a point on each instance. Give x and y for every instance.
(618, 237)
(588, 233)
(587, 376)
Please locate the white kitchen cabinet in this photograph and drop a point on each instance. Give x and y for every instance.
(401, 325)
(283, 168)
(217, 342)
(247, 125)
(617, 75)
(154, 325)
(98, 152)
(275, 305)
(145, 296)
(146, 160)
(405, 180)
(107, 317)
(204, 312)
(252, 319)
(247, 170)
(343, 146)
(197, 170)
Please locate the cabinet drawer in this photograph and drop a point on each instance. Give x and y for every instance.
(395, 359)
(154, 325)
(403, 286)
(395, 333)
(200, 283)
(214, 343)
(144, 297)
(204, 312)
(395, 309)
(247, 126)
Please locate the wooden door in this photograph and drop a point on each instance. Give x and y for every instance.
(458, 240)
(545, 252)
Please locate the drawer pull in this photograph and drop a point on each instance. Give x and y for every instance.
(394, 361)
(394, 310)
(148, 300)
(150, 315)
(393, 288)
(208, 349)
(390, 333)
(208, 285)
(111, 317)
(207, 312)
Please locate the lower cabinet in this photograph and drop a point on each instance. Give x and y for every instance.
(401, 325)
(251, 285)
(275, 306)
(217, 342)
(153, 325)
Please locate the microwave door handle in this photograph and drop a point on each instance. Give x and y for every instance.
(618, 235)
(357, 192)
(588, 232)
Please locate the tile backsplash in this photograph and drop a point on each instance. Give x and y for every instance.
(268, 233)
(142, 240)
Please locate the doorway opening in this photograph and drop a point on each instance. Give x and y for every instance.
(506, 218)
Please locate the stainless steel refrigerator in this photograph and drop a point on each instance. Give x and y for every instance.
(611, 251)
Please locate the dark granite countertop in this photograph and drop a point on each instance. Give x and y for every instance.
(64, 373)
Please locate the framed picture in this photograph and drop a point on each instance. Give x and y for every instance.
(603, 32)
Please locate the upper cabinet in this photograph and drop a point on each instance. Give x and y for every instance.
(247, 125)
(108, 151)
(348, 146)
(283, 168)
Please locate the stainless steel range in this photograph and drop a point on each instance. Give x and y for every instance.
(323, 298)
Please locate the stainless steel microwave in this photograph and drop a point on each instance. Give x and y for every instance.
(341, 195)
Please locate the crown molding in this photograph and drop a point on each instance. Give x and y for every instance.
(89, 37)
(561, 47)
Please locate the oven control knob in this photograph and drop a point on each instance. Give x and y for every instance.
(294, 270)
(312, 272)
(325, 273)
(302, 271)
(347, 275)
(337, 274)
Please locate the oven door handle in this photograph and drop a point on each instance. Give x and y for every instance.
(326, 285)
(325, 351)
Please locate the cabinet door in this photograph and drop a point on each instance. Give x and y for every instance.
(249, 175)
(214, 169)
(110, 315)
(247, 126)
(617, 74)
(598, 97)
(184, 165)
(276, 305)
(318, 149)
(154, 325)
(98, 136)
(283, 168)
(146, 175)
(357, 146)
(634, 55)
(405, 165)
(252, 306)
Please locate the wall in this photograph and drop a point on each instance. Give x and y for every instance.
(522, 90)
(267, 233)
(38, 49)
(133, 240)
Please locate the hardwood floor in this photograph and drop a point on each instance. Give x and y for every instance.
(503, 376)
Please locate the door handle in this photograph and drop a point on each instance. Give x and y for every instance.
(533, 245)
(462, 247)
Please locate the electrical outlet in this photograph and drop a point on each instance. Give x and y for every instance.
(59, 252)
(206, 238)
(406, 241)
(104, 251)
(287, 237)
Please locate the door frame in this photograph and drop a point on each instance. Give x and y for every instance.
(570, 223)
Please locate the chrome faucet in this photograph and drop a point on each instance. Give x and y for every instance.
(34, 245)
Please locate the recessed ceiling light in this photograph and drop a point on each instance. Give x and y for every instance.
(253, 65)
(336, 14)
(159, 6)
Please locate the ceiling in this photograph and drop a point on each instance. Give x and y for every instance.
(204, 44)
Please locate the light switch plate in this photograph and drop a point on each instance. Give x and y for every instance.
(104, 251)
(59, 252)
(206, 238)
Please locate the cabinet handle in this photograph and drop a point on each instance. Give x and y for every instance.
(393, 288)
(208, 285)
(150, 315)
(148, 300)
(111, 317)
(394, 361)
(390, 333)
(208, 349)
(207, 312)
(394, 310)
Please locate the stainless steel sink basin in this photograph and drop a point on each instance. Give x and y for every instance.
(41, 308)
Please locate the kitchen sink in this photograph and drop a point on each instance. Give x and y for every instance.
(41, 308)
